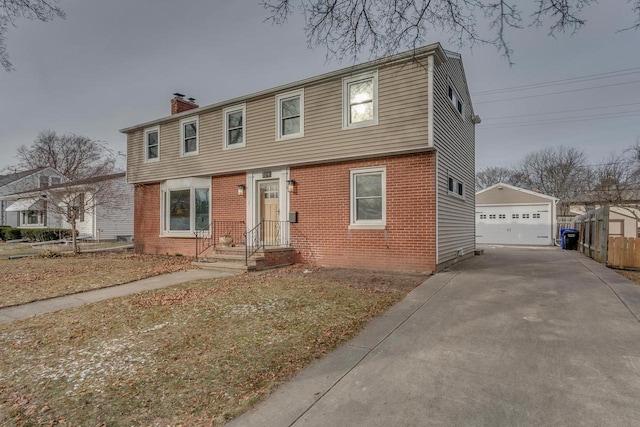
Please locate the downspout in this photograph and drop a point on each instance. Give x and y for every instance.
(430, 85)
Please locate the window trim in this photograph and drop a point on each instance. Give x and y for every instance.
(183, 122)
(355, 224)
(299, 93)
(454, 99)
(346, 81)
(190, 184)
(456, 185)
(147, 131)
(225, 126)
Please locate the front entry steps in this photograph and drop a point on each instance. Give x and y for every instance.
(233, 258)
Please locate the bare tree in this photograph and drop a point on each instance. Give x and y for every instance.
(617, 182)
(346, 28)
(76, 157)
(13, 10)
(493, 175)
(74, 200)
(560, 172)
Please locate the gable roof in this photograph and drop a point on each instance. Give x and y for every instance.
(8, 179)
(79, 183)
(434, 49)
(521, 191)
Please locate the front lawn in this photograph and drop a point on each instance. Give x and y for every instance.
(30, 279)
(195, 354)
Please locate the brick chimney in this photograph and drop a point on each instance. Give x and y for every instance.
(179, 104)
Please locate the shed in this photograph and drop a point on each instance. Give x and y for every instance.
(510, 215)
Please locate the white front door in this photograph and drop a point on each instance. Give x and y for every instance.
(514, 224)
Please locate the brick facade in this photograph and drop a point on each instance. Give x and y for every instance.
(226, 205)
(322, 200)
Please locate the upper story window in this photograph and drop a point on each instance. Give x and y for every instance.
(55, 180)
(290, 115)
(44, 181)
(368, 198)
(152, 144)
(456, 187)
(234, 126)
(455, 99)
(189, 136)
(360, 100)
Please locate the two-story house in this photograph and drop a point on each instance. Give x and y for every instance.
(370, 166)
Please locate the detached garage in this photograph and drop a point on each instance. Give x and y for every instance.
(508, 215)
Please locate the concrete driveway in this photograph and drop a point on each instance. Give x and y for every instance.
(514, 337)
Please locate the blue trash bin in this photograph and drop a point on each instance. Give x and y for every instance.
(570, 239)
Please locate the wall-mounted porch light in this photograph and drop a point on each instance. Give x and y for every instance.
(241, 189)
(291, 185)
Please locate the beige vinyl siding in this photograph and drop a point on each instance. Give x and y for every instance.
(506, 195)
(402, 127)
(454, 139)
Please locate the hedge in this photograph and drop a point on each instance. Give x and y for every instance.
(34, 234)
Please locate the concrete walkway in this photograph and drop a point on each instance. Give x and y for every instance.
(515, 337)
(24, 311)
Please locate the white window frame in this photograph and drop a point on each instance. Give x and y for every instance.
(190, 184)
(454, 98)
(183, 122)
(146, 144)
(279, 128)
(367, 224)
(346, 108)
(456, 183)
(225, 126)
(24, 221)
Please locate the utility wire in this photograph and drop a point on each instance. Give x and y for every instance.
(561, 111)
(558, 93)
(561, 121)
(556, 82)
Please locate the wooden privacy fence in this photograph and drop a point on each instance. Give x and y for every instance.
(624, 252)
(594, 231)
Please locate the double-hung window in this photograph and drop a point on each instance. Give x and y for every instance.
(185, 206)
(456, 187)
(189, 136)
(360, 100)
(455, 99)
(368, 198)
(152, 144)
(290, 115)
(234, 126)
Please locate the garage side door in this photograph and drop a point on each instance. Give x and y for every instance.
(514, 224)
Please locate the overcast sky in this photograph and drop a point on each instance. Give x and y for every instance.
(113, 64)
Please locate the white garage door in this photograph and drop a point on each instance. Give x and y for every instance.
(514, 224)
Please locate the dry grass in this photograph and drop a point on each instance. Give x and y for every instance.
(195, 354)
(31, 279)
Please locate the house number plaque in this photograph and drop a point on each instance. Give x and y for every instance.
(266, 174)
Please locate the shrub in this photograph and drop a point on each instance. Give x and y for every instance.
(10, 233)
(44, 234)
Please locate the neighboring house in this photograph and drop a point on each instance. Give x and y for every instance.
(104, 204)
(24, 214)
(510, 215)
(623, 221)
(370, 166)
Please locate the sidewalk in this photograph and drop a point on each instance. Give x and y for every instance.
(19, 312)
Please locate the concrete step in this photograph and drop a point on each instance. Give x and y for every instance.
(232, 257)
(224, 266)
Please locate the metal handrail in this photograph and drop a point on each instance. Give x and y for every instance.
(266, 233)
(208, 237)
